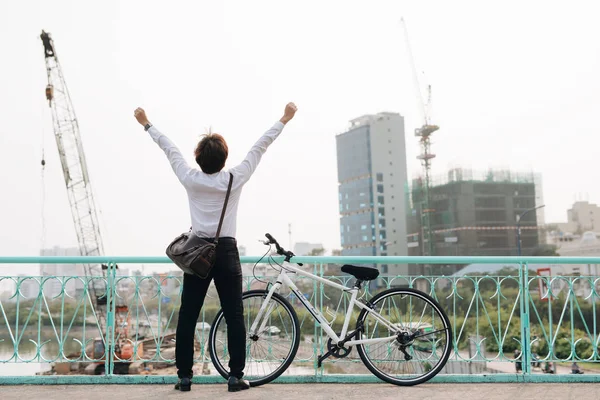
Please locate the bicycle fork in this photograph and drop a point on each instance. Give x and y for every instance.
(265, 310)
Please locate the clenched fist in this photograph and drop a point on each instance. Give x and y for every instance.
(288, 114)
(140, 115)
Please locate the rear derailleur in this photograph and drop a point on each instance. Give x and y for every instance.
(403, 341)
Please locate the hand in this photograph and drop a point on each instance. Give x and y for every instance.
(140, 115)
(288, 114)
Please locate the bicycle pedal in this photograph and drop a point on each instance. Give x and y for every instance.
(323, 357)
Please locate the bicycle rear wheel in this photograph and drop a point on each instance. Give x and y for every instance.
(423, 337)
(268, 353)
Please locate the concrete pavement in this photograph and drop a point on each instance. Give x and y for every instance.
(434, 391)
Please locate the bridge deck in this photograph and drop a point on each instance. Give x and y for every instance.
(488, 391)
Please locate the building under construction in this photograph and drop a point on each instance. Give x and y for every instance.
(475, 213)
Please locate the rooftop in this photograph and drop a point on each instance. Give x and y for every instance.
(368, 118)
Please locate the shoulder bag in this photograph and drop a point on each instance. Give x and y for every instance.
(194, 255)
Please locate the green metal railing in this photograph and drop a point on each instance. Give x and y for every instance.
(500, 321)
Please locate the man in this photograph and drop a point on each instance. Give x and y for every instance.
(206, 188)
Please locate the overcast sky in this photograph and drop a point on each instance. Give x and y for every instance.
(515, 85)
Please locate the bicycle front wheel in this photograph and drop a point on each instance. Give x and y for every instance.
(270, 351)
(422, 337)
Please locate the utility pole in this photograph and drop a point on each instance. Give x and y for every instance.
(519, 218)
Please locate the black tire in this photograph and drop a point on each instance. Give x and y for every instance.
(444, 324)
(256, 379)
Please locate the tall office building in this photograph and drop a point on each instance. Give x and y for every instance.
(372, 178)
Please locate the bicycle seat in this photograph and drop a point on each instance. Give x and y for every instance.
(362, 273)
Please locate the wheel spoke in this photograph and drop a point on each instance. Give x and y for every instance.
(271, 350)
(424, 337)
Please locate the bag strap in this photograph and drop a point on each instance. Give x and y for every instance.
(224, 208)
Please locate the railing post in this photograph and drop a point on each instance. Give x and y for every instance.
(318, 287)
(524, 305)
(110, 320)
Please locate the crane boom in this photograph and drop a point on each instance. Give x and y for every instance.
(75, 171)
(414, 73)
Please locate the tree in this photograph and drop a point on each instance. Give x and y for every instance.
(317, 252)
(545, 251)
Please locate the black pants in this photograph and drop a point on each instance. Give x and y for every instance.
(227, 274)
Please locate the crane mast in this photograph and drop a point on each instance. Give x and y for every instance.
(77, 181)
(424, 134)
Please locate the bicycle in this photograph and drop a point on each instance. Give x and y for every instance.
(420, 334)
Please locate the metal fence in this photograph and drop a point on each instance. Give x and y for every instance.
(514, 325)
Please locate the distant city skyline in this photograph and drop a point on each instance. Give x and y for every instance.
(305, 248)
(517, 98)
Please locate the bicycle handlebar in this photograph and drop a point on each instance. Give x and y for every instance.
(271, 239)
(280, 250)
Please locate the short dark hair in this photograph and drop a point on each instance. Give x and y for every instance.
(211, 153)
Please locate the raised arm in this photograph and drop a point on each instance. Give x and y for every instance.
(178, 163)
(244, 171)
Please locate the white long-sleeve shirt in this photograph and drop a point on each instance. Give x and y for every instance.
(206, 193)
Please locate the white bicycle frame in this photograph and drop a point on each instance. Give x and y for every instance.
(259, 324)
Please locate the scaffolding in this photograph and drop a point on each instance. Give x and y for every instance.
(486, 176)
(477, 219)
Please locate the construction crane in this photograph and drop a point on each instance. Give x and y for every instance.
(79, 189)
(424, 134)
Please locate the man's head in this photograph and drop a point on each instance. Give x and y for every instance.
(211, 153)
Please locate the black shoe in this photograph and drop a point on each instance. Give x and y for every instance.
(184, 384)
(235, 384)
